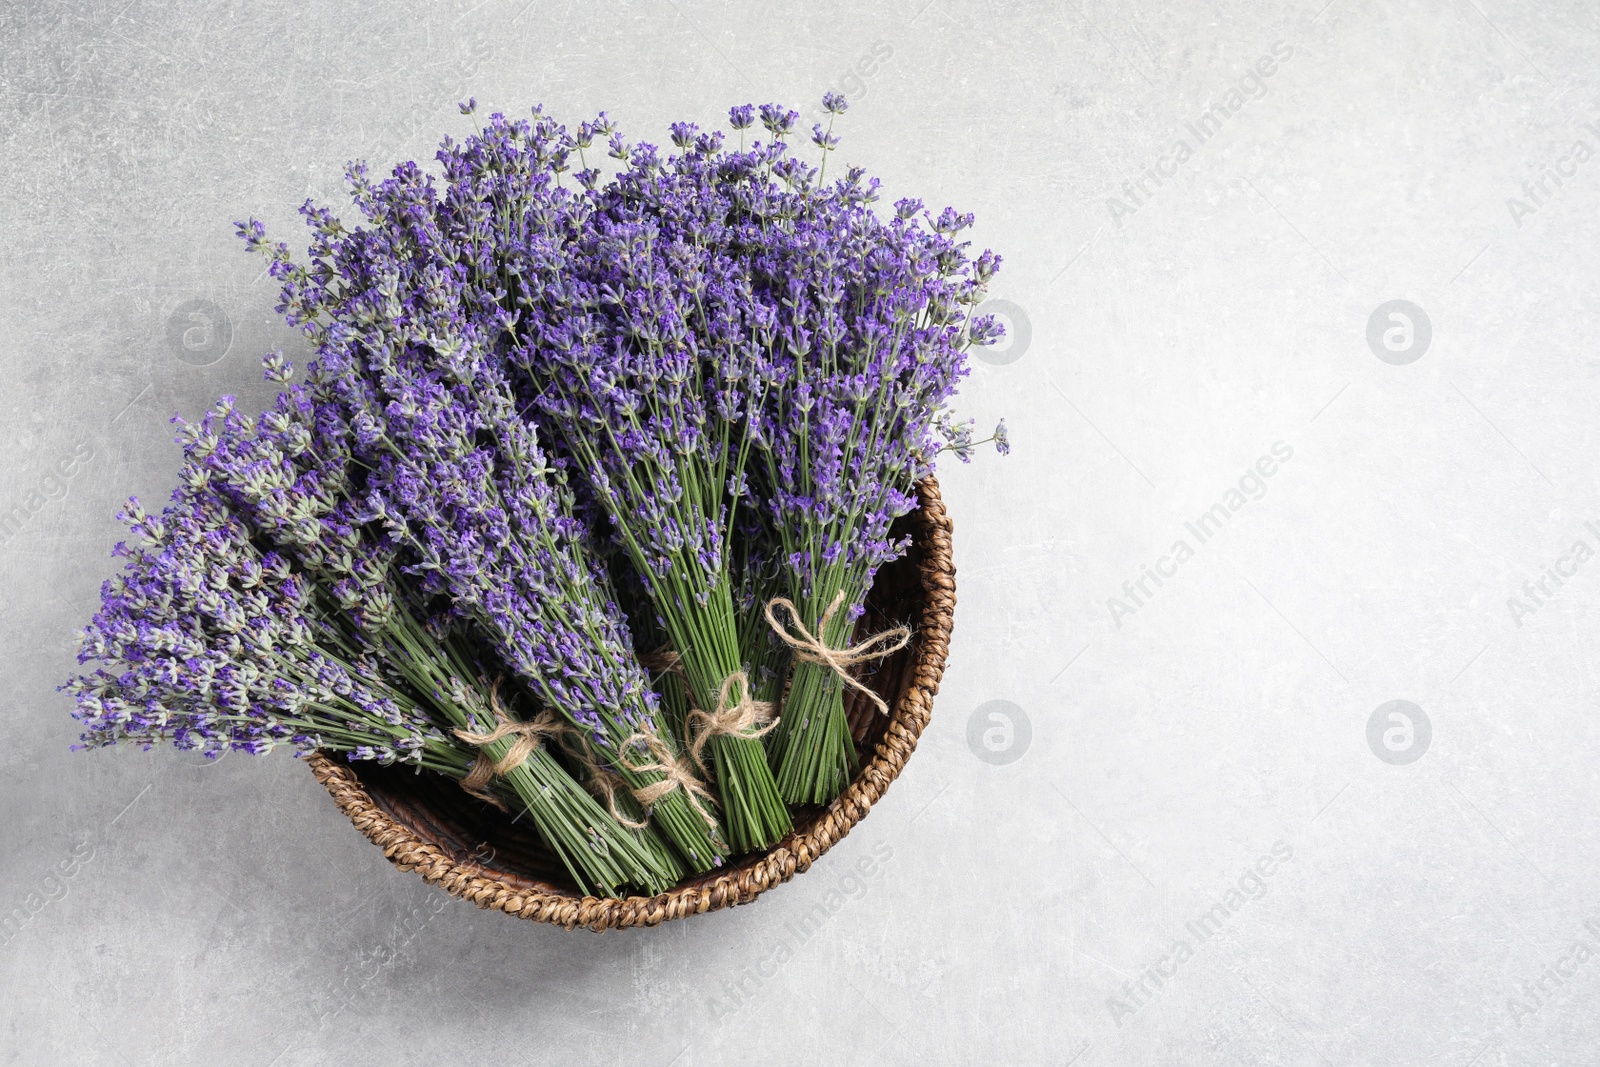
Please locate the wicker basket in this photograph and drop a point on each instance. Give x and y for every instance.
(425, 823)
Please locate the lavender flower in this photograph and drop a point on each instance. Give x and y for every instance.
(211, 644)
(728, 336)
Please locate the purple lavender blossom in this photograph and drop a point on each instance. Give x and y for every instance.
(728, 342)
(630, 338)
(214, 645)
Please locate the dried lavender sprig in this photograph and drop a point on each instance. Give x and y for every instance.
(543, 503)
(846, 447)
(214, 645)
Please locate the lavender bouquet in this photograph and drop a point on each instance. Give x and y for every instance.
(580, 498)
(621, 331)
(753, 369)
(864, 331)
(212, 643)
(405, 321)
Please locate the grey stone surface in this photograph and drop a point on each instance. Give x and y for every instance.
(1213, 848)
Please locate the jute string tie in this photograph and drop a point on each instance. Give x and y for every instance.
(666, 763)
(529, 737)
(811, 648)
(744, 716)
(674, 775)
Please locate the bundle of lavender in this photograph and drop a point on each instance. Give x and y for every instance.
(259, 612)
(702, 387)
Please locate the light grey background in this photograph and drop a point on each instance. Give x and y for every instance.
(1431, 911)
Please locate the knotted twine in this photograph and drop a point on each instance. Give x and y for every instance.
(674, 775)
(529, 737)
(811, 648)
(746, 717)
(730, 717)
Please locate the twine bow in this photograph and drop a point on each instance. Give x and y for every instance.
(607, 782)
(745, 717)
(674, 775)
(811, 648)
(529, 736)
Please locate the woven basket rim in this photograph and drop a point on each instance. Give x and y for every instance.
(742, 883)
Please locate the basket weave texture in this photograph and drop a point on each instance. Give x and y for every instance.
(425, 823)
